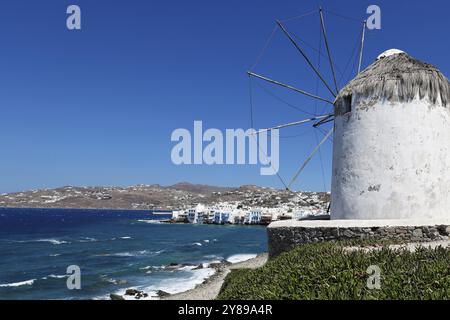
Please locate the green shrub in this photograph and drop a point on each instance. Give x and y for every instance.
(327, 271)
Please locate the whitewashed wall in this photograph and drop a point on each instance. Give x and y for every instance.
(391, 161)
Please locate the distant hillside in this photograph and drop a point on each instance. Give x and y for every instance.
(178, 196)
(197, 188)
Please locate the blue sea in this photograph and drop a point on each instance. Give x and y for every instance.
(114, 250)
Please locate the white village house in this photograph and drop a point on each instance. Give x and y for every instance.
(223, 216)
(210, 216)
(197, 214)
(253, 216)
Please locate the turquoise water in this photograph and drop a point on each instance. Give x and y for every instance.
(115, 250)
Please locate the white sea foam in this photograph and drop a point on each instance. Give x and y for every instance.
(187, 268)
(122, 254)
(87, 239)
(19, 284)
(121, 238)
(197, 244)
(150, 221)
(52, 241)
(183, 281)
(132, 253)
(189, 280)
(129, 254)
(55, 276)
(147, 268)
(213, 257)
(114, 281)
(241, 257)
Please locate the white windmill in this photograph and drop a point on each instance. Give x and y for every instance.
(391, 127)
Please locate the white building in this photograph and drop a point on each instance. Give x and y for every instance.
(308, 213)
(238, 216)
(210, 216)
(223, 217)
(179, 216)
(266, 218)
(197, 214)
(391, 145)
(253, 216)
(176, 213)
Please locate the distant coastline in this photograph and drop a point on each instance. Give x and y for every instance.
(156, 198)
(157, 211)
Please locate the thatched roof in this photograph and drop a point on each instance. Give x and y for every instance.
(397, 78)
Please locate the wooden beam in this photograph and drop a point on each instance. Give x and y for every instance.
(281, 126)
(252, 74)
(305, 57)
(362, 46)
(328, 49)
(309, 158)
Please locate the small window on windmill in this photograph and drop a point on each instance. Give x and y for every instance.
(346, 104)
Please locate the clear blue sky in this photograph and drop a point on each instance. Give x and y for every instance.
(97, 106)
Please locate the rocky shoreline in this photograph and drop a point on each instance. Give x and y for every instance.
(207, 290)
(210, 288)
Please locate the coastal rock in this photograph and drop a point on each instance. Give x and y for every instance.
(141, 295)
(219, 265)
(215, 265)
(173, 266)
(114, 296)
(132, 292)
(161, 293)
(200, 266)
(138, 294)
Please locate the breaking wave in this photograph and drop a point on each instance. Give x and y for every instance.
(55, 276)
(88, 239)
(241, 257)
(52, 241)
(131, 253)
(150, 221)
(18, 284)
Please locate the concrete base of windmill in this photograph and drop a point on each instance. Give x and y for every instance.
(285, 235)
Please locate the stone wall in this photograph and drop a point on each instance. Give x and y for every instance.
(284, 238)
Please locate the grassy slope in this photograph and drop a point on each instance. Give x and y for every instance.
(325, 271)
